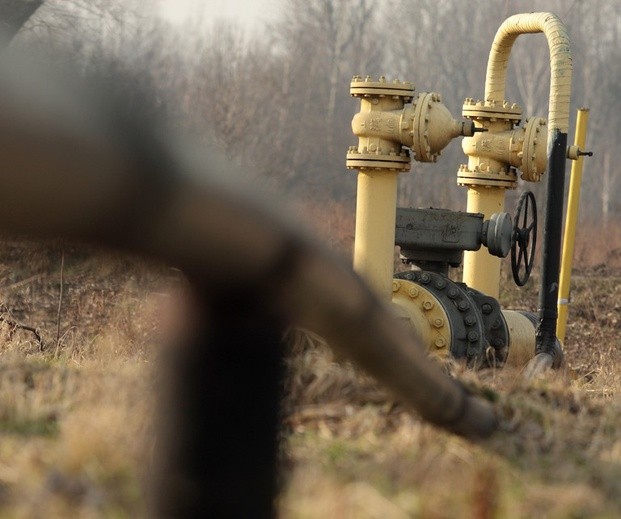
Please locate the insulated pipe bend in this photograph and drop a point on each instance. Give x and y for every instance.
(560, 63)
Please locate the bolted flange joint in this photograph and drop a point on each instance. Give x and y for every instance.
(499, 150)
(487, 150)
(381, 88)
(377, 123)
(387, 125)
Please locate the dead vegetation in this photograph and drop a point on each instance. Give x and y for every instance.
(75, 419)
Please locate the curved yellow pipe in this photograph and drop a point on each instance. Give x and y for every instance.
(560, 62)
(478, 268)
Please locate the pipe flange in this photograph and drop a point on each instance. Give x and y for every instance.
(477, 177)
(495, 326)
(467, 331)
(368, 87)
(535, 149)
(491, 110)
(378, 161)
(421, 146)
(428, 317)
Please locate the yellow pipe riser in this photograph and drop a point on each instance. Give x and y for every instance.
(384, 126)
(374, 244)
(571, 220)
(481, 269)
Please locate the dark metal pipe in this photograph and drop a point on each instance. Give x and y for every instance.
(219, 416)
(13, 15)
(546, 341)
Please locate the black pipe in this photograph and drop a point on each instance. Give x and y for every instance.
(219, 414)
(546, 341)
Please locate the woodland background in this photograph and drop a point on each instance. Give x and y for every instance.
(276, 99)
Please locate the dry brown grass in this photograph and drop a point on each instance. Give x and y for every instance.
(70, 439)
(352, 451)
(75, 426)
(556, 454)
(75, 419)
(598, 246)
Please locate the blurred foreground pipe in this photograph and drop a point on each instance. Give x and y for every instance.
(70, 169)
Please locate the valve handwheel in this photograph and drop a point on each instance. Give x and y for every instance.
(524, 239)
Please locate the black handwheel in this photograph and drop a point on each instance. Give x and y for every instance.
(524, 238)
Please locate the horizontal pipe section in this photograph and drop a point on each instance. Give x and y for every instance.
(521, 337)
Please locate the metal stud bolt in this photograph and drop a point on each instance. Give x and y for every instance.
(428, 305)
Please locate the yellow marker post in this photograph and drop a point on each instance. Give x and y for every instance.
(571, 219)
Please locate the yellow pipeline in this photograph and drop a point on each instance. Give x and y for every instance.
(482, 271)
(522, 338)
(478, 269)
(375, 229)
(573, 203)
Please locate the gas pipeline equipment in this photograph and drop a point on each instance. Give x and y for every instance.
(110, 178)
(464, 319)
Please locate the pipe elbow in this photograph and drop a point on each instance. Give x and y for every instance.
(560, 62)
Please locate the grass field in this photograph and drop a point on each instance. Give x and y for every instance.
(75, 414)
